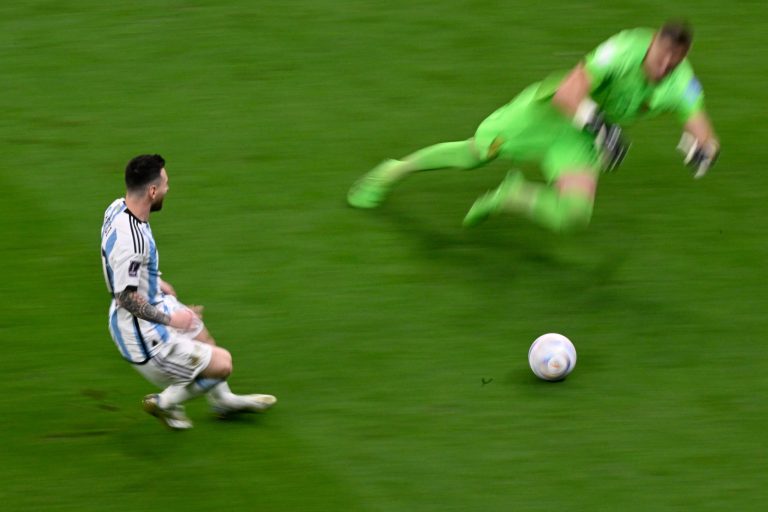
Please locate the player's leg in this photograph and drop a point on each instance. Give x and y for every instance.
(486, 145)
(221, 398)
(374, 186)
(176, 367)
(224, 403)
(212, 381)
(565, 207)
(197, 367)
(571, 168)
(173, 416)
(167, 405)
(568, 206)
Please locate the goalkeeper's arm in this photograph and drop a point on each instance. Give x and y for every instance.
(572, 98)
(699, 144)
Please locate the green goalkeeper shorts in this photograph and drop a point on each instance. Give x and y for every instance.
(531, 130)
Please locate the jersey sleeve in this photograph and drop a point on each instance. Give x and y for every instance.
(692, 101)
(126, 262)
(683, 94)
(689, 97)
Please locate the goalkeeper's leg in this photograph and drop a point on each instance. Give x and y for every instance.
(571, 167)
(564, 207)
(371, 190)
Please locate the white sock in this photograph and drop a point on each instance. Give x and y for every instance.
(221, 395)
(175, 394)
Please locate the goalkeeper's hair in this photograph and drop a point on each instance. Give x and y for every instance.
(142, 170)
(678, 31)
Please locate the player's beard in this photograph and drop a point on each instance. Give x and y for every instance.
(157, 205)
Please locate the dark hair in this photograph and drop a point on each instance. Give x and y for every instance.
(679, 32)
(142, 170)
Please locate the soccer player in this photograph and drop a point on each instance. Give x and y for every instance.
(162, 338)
(570, 124)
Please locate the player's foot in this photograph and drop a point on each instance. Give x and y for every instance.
(172, 417)
(491, 202)
(373, 187)
(247, 403)
(258, 403)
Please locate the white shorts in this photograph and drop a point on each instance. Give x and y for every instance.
(181, 358)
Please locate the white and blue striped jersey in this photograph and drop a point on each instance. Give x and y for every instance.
(130, 260)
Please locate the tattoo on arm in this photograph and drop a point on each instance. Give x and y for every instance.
(138, 306)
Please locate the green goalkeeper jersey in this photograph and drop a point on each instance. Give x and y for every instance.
(621, 88)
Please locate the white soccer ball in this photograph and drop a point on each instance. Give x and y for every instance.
(552, 356)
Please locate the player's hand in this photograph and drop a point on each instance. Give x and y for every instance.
(609, 141)
(183, 319)
(699, 157)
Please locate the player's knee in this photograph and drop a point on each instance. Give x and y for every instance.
(477, 157)
(220, 366)
(227, 364)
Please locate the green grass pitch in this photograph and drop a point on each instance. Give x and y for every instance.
(395, 340)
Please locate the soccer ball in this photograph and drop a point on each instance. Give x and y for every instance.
(552, 356)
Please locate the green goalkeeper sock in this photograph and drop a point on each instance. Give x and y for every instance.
(372, 189)
(561, 213)
(545, 206)
(446, 155)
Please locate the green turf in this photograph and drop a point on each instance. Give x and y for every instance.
(376, 330)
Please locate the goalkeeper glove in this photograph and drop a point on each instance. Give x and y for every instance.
(699, 157)
(608, 138)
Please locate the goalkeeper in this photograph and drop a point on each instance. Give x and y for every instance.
(570, 124)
